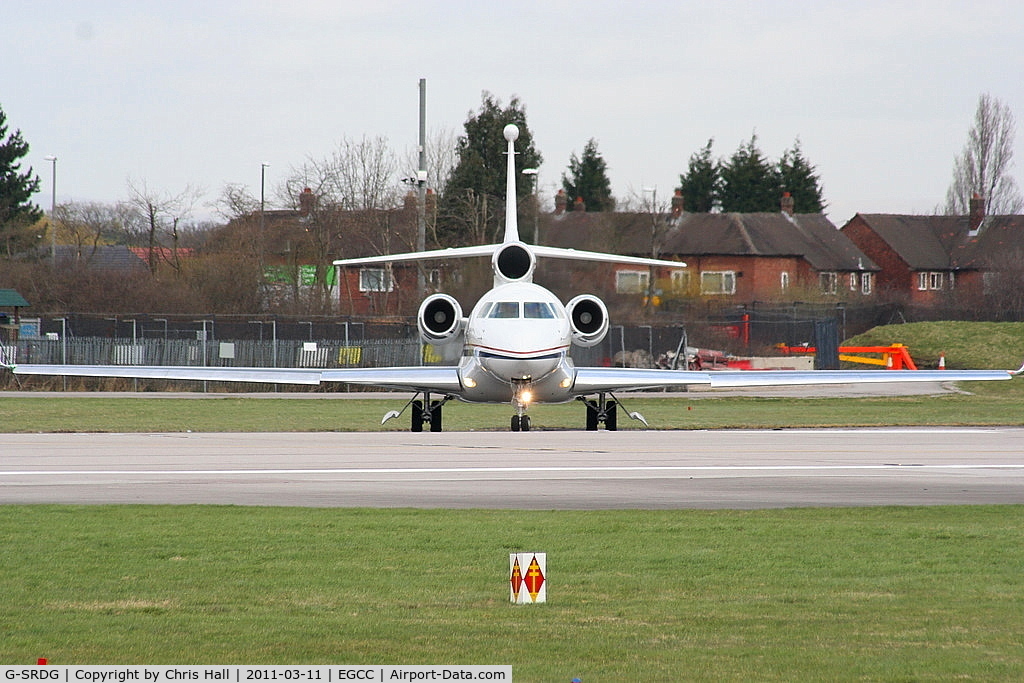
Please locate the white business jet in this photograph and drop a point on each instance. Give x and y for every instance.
(516, 343)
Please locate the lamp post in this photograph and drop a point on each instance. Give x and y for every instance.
(263, 181)
(53, 204)
(535, 175)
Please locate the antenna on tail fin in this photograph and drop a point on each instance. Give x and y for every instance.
(511, 133)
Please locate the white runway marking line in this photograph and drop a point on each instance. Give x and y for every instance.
(522, 470)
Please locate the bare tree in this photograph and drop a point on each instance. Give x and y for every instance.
(159, 216)
(87, 225)
(353, 190)
(236, 201)
(983, 168)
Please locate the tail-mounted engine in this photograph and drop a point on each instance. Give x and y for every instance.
(588, 319)
(439, 319)
(513, 262)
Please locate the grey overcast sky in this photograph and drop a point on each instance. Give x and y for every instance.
(200, 92)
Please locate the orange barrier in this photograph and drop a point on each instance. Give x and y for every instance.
(894, 357)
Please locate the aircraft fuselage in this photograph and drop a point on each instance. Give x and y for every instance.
(517, 339)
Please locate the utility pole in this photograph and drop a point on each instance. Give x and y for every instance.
(421, 182)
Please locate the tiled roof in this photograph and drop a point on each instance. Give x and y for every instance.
(946, 242)
(809, 236)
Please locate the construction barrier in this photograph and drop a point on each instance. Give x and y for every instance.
(893, 357)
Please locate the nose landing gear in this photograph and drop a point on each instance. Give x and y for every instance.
(521, 398)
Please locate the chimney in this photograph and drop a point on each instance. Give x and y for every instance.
(560, 202)
(977, 212)
(431, 202)
(677, 204)
(306, 202)
(579, 205)
(410, 201)
(787, 203)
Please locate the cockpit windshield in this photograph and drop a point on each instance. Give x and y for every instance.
(538, 309)
(504, 309)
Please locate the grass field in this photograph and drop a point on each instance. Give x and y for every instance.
(891, 594)
(988, 403)
(835, 594)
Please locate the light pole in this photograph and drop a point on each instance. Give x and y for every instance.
(263, 181)
(535, 175)
(53, 204)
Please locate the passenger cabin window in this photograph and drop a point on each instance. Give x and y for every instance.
(538, 309)
(504, 309)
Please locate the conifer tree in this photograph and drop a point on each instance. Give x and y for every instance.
(750, 183)
(471, 207)
(799, 177)
(700, 184)
(588, 179)
(17, 213)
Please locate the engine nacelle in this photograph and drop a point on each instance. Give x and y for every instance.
(513, 262)
(588, 319)
(439, 319)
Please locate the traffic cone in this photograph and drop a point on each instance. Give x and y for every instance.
(942, 361)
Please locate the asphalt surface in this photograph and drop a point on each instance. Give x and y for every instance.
(535, 470)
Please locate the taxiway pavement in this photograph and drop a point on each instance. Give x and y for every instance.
(535, 470)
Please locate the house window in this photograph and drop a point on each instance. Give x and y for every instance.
(375, 280)
(829, 282)
(922, 281)
(866, 283)
(784, 280)
(718, 282)
(680, 281)
(853, 282)
(632, 281)
(935, 280)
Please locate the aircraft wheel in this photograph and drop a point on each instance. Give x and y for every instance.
(417, 416)
(524, 423)
(591, 418)
(611, 421)
(516, 423)
(435, 416)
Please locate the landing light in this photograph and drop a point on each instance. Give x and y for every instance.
(566, 383)
(470, 382)
(526, 396)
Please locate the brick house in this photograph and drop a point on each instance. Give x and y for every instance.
(933, 260)
(301, 243)
(730, 257)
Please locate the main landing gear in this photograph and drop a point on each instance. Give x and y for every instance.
(604, 411)
(424, 412)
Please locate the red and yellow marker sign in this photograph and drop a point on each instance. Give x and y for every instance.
(530, 586)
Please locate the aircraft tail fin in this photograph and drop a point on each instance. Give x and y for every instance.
(511, 134)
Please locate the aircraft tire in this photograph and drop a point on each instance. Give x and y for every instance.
(417, 416)
(435, 416)
(591, 418)
(524, 423)
(611, 420)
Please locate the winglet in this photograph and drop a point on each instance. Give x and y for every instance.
(1017, 371)
(511, 134)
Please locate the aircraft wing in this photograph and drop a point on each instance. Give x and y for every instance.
(593, 380)
(223, 374)
(436, 378)
(580, 255)
(435, 255)
(441, 379)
